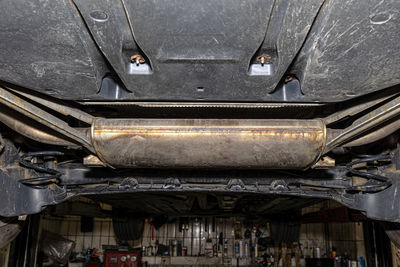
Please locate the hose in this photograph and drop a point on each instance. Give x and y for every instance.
(54, 176)
(376, 182)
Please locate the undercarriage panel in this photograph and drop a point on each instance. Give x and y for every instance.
(254, 51)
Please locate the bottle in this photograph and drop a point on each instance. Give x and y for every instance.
(333, 255)
(144, 251)
(241, 249)
(306, 252)
(208, 250)
(317, 252)
(237, 249)
(362, 261)
(184, 251)
(226, 249)
(174, 248)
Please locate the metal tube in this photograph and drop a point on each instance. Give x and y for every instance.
(375, 135)
(61, 108)
(354, 110)
(208, 143)
(31, 130)
(43, 117)
(365, 123)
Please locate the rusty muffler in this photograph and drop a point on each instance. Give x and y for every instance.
(200, 143)
(208, 143)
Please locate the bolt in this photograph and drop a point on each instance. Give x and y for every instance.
(263, 59)
(288, 79)
(138, 59)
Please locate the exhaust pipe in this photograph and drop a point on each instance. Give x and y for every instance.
(208, 143)
(205, 143)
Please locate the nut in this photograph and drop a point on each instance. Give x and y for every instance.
(138, 59)
(263, 58)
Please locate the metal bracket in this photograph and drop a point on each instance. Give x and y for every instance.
(235, 184)
(17, 199)
(172, 183)
(279, 185)
(129, 183)
(383, 205)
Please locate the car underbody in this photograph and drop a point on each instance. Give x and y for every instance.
(205, 107)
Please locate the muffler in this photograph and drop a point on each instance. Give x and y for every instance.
(203, 143)
(208, 143)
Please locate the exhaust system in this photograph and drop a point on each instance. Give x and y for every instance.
(203, 143)
(199, 143)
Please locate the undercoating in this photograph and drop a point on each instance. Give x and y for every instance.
(313, 50)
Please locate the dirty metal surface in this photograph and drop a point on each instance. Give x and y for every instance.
(366, 122)
(46, 47)
(122, 188)
(36, 113)
(350, 50)
(18, 199)
(183, 143)
(201, 51)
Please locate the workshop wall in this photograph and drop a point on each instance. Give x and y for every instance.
(195, 236)
(70, 228)
(344, 237)
(103, 233)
